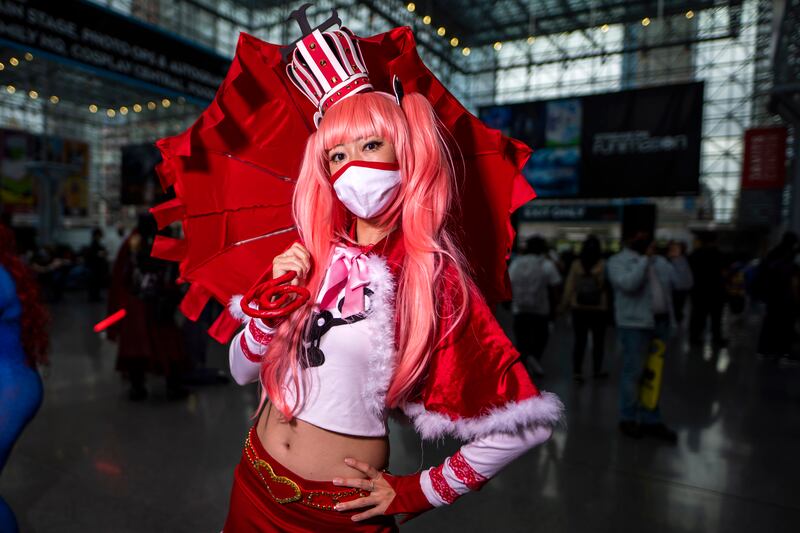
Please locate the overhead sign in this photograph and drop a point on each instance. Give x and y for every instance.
(764, 165)
(637, 143)
(112, 44)
(538, 212)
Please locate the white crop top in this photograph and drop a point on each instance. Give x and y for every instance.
(349, 360)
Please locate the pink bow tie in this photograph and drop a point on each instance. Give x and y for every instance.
(348, 270)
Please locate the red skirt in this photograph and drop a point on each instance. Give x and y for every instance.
(269, 498)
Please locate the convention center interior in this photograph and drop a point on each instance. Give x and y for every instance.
(546, 252)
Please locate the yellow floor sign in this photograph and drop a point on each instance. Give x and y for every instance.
(651, 375)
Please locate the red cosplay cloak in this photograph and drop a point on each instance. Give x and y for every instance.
(476, 383)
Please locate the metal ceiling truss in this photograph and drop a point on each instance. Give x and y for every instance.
(387, 9)
(595, 47)
(724, 44)
(719, 46)
(486, 23)
(786, 74)
(730, 71)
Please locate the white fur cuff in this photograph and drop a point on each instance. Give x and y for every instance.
(545, 409)
(235, 309)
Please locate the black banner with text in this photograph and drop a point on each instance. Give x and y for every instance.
(110, 43)
(643, 142)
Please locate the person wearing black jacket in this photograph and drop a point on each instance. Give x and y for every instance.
(708, 293)
(776, 285)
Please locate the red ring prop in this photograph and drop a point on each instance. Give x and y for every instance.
(275, 299)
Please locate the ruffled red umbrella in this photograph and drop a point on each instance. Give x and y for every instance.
(235, 168)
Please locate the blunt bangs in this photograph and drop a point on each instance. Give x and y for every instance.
(361, 116)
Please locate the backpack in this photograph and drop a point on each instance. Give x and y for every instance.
(588, 292)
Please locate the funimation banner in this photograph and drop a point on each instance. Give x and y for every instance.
(643, 142)
(113, 44)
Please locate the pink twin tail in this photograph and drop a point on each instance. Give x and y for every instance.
(349, 270)
(378, 165)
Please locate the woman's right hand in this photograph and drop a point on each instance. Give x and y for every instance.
(296, 258)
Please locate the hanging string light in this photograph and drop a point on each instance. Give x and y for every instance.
(93, 108)
(441, 31)
(14, 61)
(33, 94)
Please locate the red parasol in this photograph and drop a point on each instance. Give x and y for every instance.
(234, 169)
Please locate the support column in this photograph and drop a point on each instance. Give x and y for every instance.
(794, 183)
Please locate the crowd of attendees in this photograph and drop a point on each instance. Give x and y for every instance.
(648, 290)
(114, 268)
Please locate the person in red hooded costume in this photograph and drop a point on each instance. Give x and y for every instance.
(394, 323)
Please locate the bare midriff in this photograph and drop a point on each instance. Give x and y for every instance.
(315, 453)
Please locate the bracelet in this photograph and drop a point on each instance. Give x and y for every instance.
(252, 357)
(259, 335)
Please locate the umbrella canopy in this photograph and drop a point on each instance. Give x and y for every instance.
(488, 164)
(235, 168)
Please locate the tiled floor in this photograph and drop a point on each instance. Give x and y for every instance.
(93, 462)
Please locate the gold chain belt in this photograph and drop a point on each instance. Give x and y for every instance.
(318, 499)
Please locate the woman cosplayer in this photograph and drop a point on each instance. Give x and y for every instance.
(394, 322)
(23, 347)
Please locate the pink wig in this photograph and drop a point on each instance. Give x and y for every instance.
(421, 208)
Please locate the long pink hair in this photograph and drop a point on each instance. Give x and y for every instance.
(421, 208)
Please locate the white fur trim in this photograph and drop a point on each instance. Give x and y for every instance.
(235, 309)
(543, 410)
(381, 320)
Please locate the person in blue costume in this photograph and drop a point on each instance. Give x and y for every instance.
(23, 346)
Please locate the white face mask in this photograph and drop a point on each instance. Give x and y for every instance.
(367, 188)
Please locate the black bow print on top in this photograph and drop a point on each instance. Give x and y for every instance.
(321, 323)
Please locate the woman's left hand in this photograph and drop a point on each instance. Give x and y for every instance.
(381, 493)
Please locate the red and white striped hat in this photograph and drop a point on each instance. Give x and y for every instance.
(328, 67)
